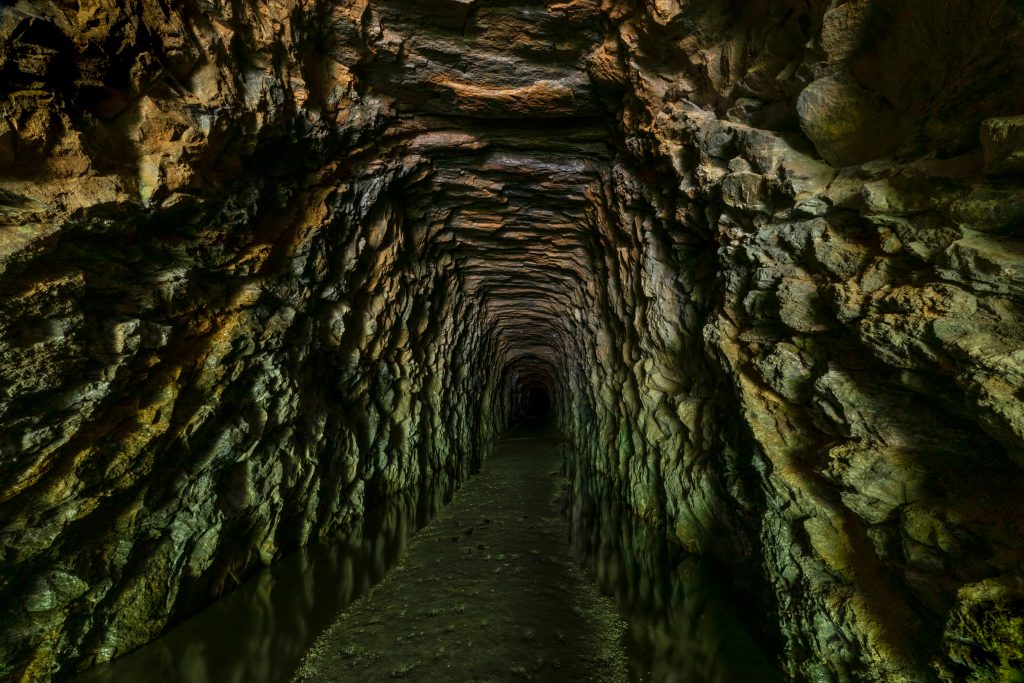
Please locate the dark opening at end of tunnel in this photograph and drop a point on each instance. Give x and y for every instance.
(531, 389)
(538, 404)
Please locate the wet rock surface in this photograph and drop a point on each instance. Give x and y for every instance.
(260, 632)
(262, 264)
(683, 621)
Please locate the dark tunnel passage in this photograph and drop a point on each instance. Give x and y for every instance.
(512, 339)
(531, 383)
(537, 405)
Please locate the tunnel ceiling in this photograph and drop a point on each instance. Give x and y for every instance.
(263, 264)
(497, 102)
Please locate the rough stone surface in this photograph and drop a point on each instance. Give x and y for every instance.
(1002, 140)
(264, 262)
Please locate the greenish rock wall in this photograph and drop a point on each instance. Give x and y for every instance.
(803, 357)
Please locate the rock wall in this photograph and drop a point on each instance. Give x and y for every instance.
(805, 353)
(222, 334)
(264, 263)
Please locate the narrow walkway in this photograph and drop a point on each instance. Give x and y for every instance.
(487, 591)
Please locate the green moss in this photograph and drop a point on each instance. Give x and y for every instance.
(985, 634)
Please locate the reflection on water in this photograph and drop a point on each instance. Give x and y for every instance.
(681, 625)
(260, 631)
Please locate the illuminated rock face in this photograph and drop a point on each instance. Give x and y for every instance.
(264, 263)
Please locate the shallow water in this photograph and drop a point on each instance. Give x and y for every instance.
(685, 625)
(682, 623)
(488, 591)
(259, 632)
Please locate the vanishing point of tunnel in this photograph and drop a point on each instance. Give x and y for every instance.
(500, 340)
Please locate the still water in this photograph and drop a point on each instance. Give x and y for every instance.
(259, 632)
(684, 625)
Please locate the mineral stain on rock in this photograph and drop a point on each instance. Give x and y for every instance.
(264, 265)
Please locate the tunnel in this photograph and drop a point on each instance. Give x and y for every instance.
(450, 340)
(537, 405)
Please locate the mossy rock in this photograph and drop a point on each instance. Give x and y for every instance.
(984, 637)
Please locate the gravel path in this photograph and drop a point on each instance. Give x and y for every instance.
(486, 592)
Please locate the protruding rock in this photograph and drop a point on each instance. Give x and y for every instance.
(1002, 140)
(847, 123)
